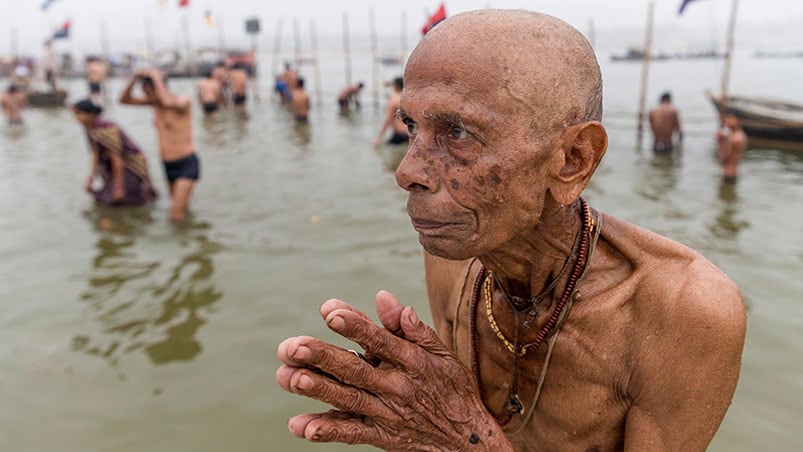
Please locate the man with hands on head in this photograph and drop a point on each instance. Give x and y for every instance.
(558, 327)
(174, 128)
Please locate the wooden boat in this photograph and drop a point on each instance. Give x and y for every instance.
(47, 98)
(768, 123)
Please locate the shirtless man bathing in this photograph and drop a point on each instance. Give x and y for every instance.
(557, 326)
(665, 125)
(174, 129)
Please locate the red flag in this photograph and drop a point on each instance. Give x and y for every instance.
(435, 19)
(63, 32)
(183, 3)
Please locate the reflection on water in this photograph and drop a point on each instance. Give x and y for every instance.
(302, 135)
(14, 131)
(134, 309)
(659, 175)
(727, 224)
(223, 129)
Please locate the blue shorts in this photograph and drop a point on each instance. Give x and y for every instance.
(187, 168)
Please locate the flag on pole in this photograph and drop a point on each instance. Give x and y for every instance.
(63, 32)
(183, 3)
(683, 6)
(435, 19)
(46, 4)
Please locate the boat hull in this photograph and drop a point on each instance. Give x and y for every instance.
(47, 98)
(767, 123)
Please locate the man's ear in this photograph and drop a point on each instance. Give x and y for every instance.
(583, 146)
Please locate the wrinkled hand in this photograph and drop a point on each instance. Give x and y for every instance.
(411, 393)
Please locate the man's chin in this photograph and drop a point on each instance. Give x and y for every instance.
(444, 248)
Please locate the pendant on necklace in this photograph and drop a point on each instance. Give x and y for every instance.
(513, 405)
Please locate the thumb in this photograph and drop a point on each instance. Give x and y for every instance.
(389, 311)
(418, 332)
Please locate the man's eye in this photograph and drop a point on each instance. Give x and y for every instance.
(458, 132)
(412, 127)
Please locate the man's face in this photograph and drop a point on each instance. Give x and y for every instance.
(731, 121)
(476, 176)
(84, 118)
(149, 91)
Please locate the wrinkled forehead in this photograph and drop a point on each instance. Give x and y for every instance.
(472, 77)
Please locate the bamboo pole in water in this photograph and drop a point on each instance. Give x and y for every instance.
(221, 38)
(346, 47)
(317, 62)
(277, 47)
(374, 57)
(104, 42)
(185, 25)
(297, 44)
(14, 43)
(255, 69)
(726, 68)
(403, 55)
(645, 70)
(149, 43)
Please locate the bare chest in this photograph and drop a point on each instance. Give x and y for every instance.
(574, 400)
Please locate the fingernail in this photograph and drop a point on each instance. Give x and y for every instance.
(302, 352)
(337, 322)
(413, 317)
(304, 382)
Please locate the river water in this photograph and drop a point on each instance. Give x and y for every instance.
(120, 332)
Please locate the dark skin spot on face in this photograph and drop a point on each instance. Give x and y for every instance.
(464, 162)
(455, 184)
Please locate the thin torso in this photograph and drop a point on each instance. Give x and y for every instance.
(238, 81)
(663, 121)
(209, 90)
(585, 397)
(175, 133)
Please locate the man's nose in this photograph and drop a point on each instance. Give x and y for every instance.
(414, 173)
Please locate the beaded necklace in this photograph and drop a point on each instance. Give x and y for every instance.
(513, 405)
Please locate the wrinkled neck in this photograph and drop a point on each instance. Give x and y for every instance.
(525, 265)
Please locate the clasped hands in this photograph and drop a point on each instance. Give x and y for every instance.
(409, 392)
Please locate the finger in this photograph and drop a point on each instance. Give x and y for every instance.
(288, 347)
(297, 424)
(341, 396)
(341, 364)
(420, 333)
(389, 311)
(342, 428)
(378, 342)
(332, 304)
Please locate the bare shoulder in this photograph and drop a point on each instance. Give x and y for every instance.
(674, 282)
(683, 327)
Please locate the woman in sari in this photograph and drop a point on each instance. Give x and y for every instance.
(119, 161)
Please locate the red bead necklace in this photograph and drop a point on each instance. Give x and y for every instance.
(513, 405)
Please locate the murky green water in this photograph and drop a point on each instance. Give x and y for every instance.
(119, 332)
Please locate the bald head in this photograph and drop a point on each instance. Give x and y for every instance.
(543, 66)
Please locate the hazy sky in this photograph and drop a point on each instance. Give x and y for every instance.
(125, 20)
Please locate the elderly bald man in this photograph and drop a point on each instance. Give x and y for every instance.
(559, 327)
